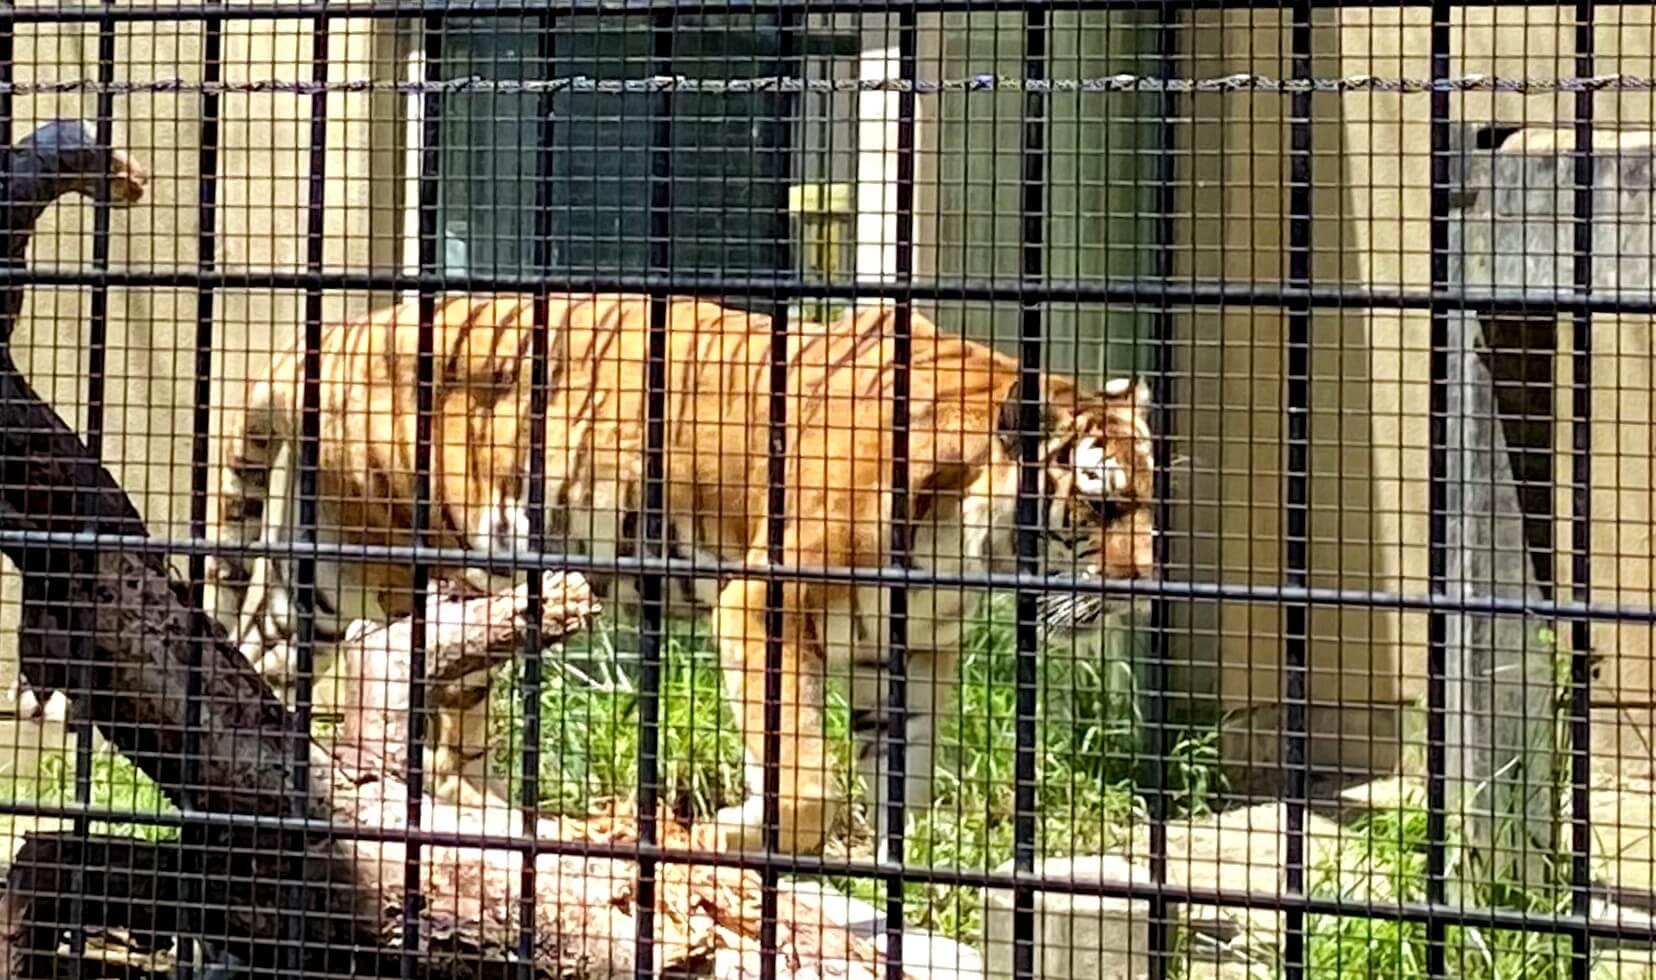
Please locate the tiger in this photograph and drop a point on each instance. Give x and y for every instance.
(1095, 520)
(366, 466)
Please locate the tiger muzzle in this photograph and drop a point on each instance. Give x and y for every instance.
(1069, 609)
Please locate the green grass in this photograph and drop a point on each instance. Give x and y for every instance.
(114, 785)
(1089, 757)
(1382, 860)
(1088, 752)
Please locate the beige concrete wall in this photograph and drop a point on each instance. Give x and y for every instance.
(1370, 430)
(262, 192)
(1232, 373)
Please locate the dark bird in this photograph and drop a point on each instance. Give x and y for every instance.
(60, 158)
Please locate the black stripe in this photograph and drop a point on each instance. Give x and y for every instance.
(686, 582)
(867, 720)
(860, 344)
(458, 336)
(558, 351)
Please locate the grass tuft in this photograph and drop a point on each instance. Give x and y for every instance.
(1090, 762)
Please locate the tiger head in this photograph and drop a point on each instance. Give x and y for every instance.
(1098, 492)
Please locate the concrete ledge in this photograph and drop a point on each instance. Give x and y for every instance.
(926, 955)
(1086, 937)
(1077, 937)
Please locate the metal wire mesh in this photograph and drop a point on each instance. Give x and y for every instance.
(1062, 489)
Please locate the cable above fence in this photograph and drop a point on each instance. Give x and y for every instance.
(736, 464)
(1238, 82)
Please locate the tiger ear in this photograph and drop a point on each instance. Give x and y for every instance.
(1010, 425)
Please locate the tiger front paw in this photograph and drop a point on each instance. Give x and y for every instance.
(741, 827)
(802, 828)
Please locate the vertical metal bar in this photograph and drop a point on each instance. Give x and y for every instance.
(655, 435)
(98, 347)
(1159, 932)
(539, 396)
(1437, 631)
(1296, 489)
(212, 47)
(96, 366)
(776, 524)
(1031, 504)
(1581, 476)
(896, 722)
(431, 155)
(8, 47)
(97, 360)
(206, 262)
(310, 430)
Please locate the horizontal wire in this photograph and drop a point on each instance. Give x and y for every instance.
(1180, 291)
(875, 575)
(1066, 884)
(983, 82)
(1623, 301)
(330, 10)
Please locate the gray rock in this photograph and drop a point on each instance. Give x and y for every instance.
(928, 955)
(861, 917)
(1077, 937)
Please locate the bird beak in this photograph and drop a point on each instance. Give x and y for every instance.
(127, 178)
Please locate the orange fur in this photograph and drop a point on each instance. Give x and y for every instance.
(963, 475)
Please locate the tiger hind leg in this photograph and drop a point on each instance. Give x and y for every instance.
(873, 727)
(255, 483)
(460, 754)
(807, 802)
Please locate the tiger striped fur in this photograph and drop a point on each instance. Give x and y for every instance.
(1095, 455)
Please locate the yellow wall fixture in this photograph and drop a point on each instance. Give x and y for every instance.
(824, 218)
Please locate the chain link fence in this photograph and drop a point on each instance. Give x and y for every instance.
(955, 489)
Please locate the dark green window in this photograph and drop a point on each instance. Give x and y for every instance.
(1101, 219)
(728, 165)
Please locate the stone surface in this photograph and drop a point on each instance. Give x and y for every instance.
(1078, 937)
(1240, 849)
(1499, 673)
(860, 916)
(1243, 848)
(1382, 794)
(1084, 937)
(926, 955)
(1518, 224)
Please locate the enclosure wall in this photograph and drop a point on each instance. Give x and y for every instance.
(262, 197)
